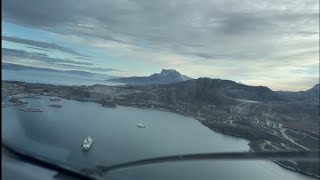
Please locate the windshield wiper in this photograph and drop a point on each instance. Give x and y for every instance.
(101, 170)
(283, 155)
(40, 161)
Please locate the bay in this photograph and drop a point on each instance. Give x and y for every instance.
(57, 134)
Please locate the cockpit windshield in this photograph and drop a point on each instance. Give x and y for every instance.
(171, 89)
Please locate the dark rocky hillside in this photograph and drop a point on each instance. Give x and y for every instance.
(208, 91)
(310, 96)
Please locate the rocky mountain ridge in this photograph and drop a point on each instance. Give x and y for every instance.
(164, 77)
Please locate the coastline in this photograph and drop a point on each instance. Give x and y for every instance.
(295, 170)
(220, 124)
(252, 144)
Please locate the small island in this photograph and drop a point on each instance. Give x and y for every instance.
(13, 101)
(30, 110)
(55, 105)
(55, 99)
(7, 104)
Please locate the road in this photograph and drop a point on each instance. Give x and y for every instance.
(287, 137)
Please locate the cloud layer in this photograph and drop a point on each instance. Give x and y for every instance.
(21, 55)
(250, 41)
(42, 45)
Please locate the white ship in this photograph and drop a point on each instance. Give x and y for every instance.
(140, 125)
(87, 143)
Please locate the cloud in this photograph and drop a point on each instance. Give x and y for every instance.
(100, 69)
(43, 45)
(38, 57)
(82, 58)
(42, 49)
(19, 56)
(159, 23)
(20, 11)
(91, 69)
(230, 38)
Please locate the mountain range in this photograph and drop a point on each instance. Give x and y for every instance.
(271, 120)
(294, 108)
(310, 96)
(218, 91)
(166, 76)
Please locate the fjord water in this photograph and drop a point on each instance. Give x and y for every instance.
(57, 134)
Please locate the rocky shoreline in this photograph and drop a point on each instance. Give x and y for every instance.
(13, 104)
(55, 105)
(30, 110)
(296, 170)
(254, 145)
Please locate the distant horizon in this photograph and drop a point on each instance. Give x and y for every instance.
(159, 72)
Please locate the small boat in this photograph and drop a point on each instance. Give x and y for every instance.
(87, 143)
(140, 125)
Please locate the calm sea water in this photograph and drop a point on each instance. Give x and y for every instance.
(56, 78)
(58, 134)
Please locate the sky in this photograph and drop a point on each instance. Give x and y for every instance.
(273, 43)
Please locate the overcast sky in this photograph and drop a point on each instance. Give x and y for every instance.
(273, 43)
